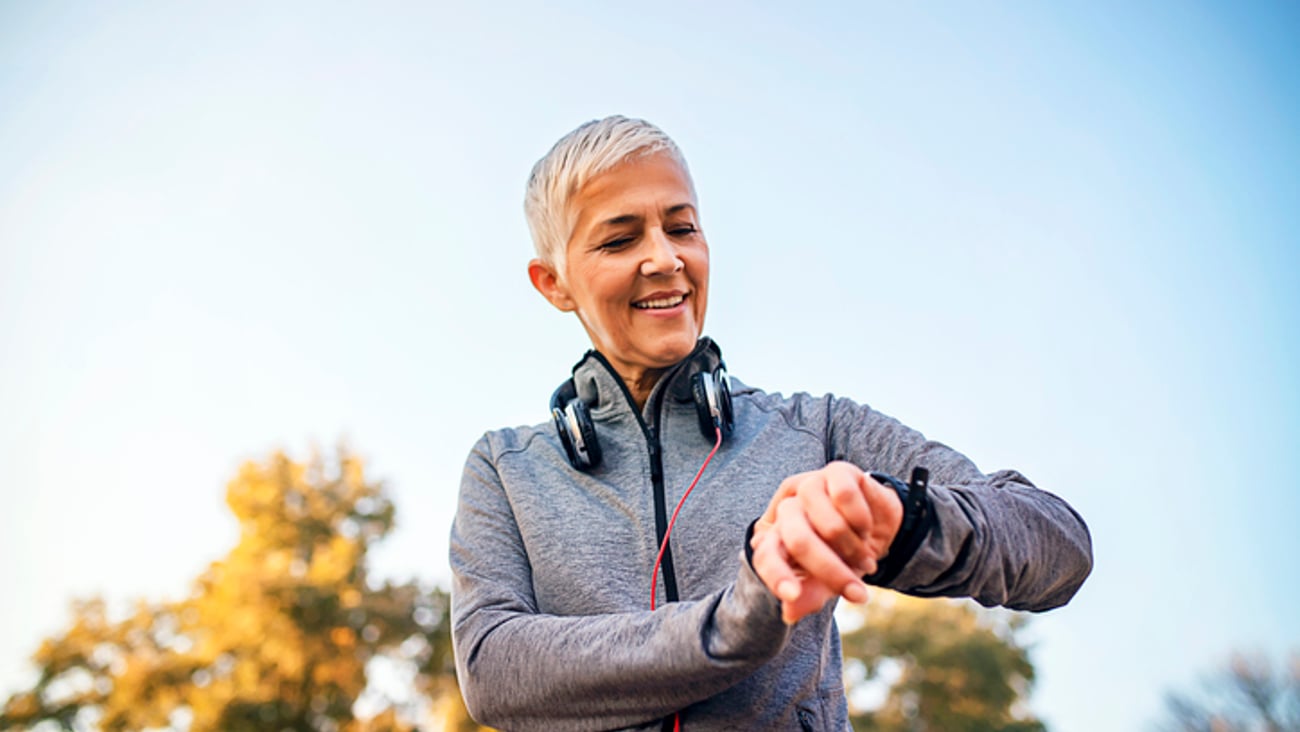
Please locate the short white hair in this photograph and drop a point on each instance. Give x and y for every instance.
(579, 156)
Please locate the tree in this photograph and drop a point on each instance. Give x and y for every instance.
(285, 632)
(279, 635)
(1246, 696)
(936, 665)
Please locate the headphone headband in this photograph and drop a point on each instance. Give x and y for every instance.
(710, 390)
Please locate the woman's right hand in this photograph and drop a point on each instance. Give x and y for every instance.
(821, 532)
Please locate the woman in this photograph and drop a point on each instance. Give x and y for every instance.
(569, 611)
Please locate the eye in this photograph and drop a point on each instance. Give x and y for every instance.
(616, 244)
(682, 230)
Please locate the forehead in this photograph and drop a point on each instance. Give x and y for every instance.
(638, 186)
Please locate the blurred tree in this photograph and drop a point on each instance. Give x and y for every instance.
(935, 665)
(279, 635)
(1247, 696)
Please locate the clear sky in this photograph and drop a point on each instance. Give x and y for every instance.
(1059, 237)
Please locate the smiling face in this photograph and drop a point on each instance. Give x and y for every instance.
(636, 268)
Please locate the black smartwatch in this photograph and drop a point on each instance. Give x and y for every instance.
(917, 518)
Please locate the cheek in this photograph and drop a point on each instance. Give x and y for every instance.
(702, 262)
(701, 274)
(606, 306)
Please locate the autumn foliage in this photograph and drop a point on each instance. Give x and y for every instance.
(278, 635)
(288, 631)
(937, 664)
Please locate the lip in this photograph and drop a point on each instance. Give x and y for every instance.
(663, 295)
(660, 295)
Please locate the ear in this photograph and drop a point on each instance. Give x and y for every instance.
(547, 282)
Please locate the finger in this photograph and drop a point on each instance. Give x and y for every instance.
(813, 596)
(773, 566)
(886, 512)
(844, 486)
(812, 554)
(825, 518)
(788, 488)
(800, 594)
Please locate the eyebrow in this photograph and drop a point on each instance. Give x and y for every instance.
(620, 220)
(633, 218)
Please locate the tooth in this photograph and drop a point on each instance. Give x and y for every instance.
(666, 302)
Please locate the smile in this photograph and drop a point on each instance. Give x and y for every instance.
(666, 302)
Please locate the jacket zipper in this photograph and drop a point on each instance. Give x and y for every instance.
(661, 509)
(661, 512)
(651, 432)
(656, 471)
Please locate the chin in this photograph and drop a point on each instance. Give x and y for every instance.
(675, 348)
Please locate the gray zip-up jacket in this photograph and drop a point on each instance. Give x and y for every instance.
(550, 602)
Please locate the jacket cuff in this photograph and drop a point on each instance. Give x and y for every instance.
(749, 549)
(747, 621)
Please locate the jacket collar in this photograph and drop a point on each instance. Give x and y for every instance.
(600, 386)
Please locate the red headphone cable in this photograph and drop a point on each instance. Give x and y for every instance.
(654, 577)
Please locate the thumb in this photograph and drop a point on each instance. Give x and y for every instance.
(788, 488)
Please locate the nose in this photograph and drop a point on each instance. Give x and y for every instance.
(661, 255)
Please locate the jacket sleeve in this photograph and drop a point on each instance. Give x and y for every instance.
(519, 668)
(995, 538)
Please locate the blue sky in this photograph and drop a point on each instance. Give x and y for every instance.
(1059, 238)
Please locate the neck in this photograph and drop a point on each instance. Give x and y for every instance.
(640, 382)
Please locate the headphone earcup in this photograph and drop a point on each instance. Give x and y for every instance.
(562, 429)
(572, 418)
(724, 402)
(587, 428)
(712, 395)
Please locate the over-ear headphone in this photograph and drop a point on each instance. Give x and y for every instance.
(572, 419)
(710, 390)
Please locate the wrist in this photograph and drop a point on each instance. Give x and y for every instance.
(918, 517)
